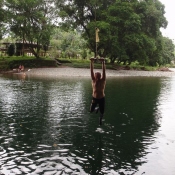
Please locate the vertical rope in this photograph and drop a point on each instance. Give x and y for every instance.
(95, 29)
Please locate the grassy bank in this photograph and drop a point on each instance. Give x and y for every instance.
(9, 63)
(79, 63)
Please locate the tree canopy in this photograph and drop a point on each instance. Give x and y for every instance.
(31, 21)
(129, 30)
(68, 44)
(2, 19)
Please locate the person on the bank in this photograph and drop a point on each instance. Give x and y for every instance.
(19, 69)
(98, 88)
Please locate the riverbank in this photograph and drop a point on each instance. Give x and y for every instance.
(82, 72)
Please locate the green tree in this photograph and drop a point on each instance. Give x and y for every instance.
(84, 54)
(83, 15)
(129, 30)
(164, 53)
(167, 51)
(69, 42)
(2, 18)
(31, 20)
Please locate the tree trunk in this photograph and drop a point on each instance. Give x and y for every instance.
(34, 52)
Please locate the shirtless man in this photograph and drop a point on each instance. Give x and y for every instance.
(98, 87)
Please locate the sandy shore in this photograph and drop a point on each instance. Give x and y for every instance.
(80, 72)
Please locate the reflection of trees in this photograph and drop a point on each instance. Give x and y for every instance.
(42, 114)
(131, 121)
(56, 112)
(134, 117)
(25, 106)
(97, 164)
(66, 106)
(38, 109)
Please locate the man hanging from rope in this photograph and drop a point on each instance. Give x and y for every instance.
(98, 87)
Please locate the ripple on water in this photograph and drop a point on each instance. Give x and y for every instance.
(50, 130)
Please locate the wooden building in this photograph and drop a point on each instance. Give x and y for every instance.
(20, 49)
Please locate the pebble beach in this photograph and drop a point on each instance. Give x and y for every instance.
(82, 72)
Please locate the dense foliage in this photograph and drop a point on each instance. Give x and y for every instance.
(68, 44)
(2, 18)
(129, 30)
(31, 21)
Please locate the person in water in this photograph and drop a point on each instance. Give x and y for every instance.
(98, 88)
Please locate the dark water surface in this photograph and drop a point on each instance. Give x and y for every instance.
(46, 129)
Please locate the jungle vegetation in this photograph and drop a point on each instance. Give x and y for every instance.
(129, 30)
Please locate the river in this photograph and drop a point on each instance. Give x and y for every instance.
(46, 127)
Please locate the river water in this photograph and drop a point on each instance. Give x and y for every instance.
(46, 127)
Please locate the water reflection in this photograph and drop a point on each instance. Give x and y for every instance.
(46, 127)
(161, 155)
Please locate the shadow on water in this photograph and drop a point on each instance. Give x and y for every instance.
(46, 127)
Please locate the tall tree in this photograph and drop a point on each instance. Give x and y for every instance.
(129, 30)
(2, 15)
(128, 41)
(68, 42)
(84, 14)
(167, 51)
(32, 21)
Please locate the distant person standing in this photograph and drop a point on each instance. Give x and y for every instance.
(98, 88)
(22, 68)
(19, 69)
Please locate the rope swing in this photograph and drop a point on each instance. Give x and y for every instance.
(97, 40)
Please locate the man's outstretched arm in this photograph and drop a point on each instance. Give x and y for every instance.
(92, 68)
(103, 69)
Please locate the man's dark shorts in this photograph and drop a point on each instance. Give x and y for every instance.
(100, 102)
